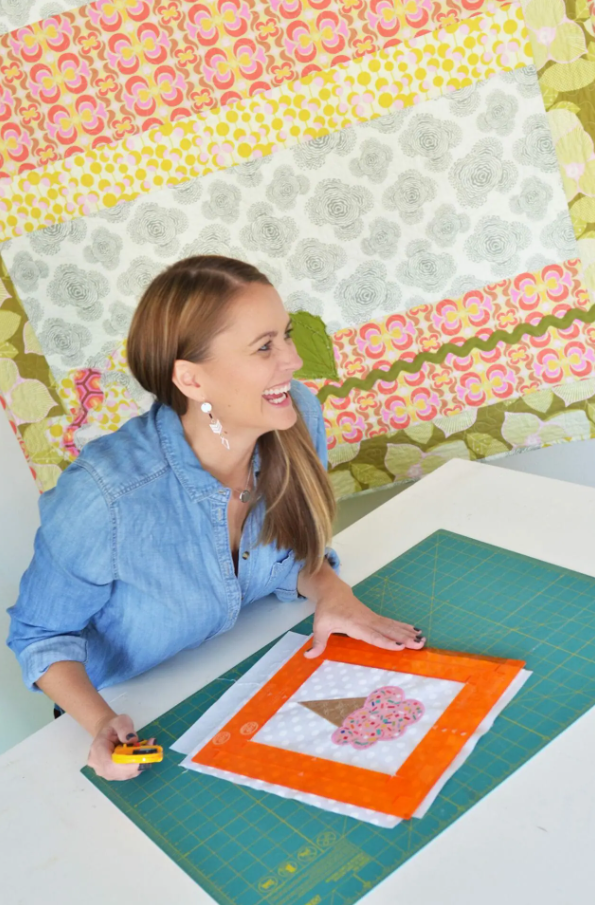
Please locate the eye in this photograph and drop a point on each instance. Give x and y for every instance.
(267, 346)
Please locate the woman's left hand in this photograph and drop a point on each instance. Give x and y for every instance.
(341, 612)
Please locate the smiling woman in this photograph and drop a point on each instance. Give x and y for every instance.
(159, 533)
(240, 363)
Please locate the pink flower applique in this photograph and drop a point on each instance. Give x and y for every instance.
(385, 714)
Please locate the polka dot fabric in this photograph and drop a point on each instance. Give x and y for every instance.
(297, 728)
(357, 91)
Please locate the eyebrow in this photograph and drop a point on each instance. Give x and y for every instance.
(270, 333)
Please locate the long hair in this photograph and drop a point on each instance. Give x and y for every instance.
(179, 315)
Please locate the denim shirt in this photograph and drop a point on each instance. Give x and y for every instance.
(132, 561)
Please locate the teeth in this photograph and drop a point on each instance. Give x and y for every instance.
(278, 390)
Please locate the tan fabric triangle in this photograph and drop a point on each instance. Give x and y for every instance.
(334, 709)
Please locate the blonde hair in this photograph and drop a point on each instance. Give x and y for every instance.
(179, 315)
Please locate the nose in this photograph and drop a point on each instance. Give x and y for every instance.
(290, 360)
(296, 363)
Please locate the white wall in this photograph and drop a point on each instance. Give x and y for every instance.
(21, 711)
(574, 462)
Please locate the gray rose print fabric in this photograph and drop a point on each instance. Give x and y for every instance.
(14, 13)
(373, 219)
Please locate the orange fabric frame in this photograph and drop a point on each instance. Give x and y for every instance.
(484, 679)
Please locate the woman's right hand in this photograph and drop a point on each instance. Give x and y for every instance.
(116, 730)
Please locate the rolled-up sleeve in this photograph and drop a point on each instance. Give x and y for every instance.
(312, 414)
(69, 579)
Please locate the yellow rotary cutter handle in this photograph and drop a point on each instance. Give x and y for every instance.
(138, 753)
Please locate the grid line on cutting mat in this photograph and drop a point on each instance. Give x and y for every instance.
(246, 847)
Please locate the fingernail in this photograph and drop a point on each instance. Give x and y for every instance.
(399, 644)
(419, 637)
(130, 735)
(145, 767)
(416, 629)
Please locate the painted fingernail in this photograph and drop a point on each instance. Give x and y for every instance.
(416, 629)
(130, 735)
(145, 767)
(419, 637)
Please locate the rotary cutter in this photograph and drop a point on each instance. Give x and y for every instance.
(138, 753)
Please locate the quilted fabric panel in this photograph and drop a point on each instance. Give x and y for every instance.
(417, 200)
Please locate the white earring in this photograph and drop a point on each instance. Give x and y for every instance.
(215, 425)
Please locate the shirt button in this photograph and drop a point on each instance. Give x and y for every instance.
(245, 554)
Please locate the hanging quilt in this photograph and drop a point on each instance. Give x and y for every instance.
(417, 180)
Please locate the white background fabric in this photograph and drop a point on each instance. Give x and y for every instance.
(296, 728)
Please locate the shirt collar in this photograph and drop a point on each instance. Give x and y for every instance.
(197, 481)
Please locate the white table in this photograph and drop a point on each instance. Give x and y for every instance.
(531, 841)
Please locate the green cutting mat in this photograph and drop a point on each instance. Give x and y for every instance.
(247, 847)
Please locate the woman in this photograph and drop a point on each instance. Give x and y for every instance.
(158, 534)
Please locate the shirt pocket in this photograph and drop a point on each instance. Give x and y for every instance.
(281, 568)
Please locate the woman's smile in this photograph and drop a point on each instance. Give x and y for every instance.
(278, 395)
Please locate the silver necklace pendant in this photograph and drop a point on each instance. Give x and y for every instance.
(245, 496)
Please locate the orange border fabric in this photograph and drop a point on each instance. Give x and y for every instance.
(485, 680)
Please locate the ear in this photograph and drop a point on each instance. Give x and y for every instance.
(185, 376)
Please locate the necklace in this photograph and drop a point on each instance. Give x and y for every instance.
(245, 496)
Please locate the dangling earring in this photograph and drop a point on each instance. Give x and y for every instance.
(215, 425)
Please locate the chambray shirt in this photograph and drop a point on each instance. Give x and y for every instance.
(132, 561)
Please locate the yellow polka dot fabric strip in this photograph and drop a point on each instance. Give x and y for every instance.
(443, 60)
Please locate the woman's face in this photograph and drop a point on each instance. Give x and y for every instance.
(251, 362)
